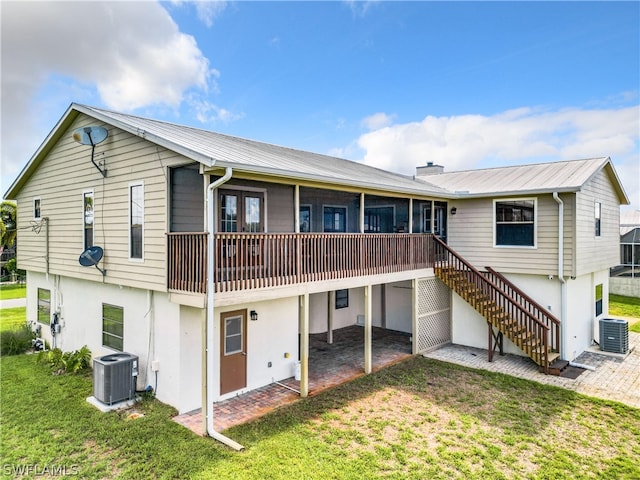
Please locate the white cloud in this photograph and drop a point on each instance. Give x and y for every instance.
(130, 54)
(209, 113)
(206, 10)
(377, 121)
(511, 137)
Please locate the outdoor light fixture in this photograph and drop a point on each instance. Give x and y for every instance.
(454, 210)
(254, 315)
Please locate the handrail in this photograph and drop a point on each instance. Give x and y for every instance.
(487, 281)
(524, 296)
(493, 303)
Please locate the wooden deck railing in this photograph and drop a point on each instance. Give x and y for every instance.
(245, 261)
(502, 310)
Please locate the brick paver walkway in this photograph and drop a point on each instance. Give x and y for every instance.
(614, 378)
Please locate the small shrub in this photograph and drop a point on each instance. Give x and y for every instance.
(15, 342)
(66, 362)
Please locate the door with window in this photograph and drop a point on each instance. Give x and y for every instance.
(241, 211)
(233, 351)
(434, 215)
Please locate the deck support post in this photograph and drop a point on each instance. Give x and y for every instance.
(367, 329)
(304, 345)
(495, 340)
(330, 308)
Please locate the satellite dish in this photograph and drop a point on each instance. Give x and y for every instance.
(91, 257)
(91, 136)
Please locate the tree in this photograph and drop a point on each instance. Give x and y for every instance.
(8, 223)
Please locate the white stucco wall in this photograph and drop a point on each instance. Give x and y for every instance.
(342, 317)
(151, 327)
(470, 328)
(398, 306)
(273, 335)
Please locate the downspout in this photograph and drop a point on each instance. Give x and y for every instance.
(563, 282)
(209, 327)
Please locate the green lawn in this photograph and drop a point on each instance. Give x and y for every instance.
(11, 318)
(620, 306)
(419, 419)
(10, 290)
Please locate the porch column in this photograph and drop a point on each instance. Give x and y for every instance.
(362, 213)
(411, 215)
(304, 345)
(414, 316)
(330, 303)
(296, 206)
(367, 329)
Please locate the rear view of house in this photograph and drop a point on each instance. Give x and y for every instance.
(220, 256)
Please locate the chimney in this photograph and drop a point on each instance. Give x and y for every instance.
(429, 169)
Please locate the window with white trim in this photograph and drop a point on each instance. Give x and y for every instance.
(87, 202)
(136, 220)
(113, 326)
(515, 223)
(37, 208)
(597, 217)
(44, 306)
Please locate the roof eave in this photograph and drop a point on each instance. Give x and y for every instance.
(54, 135)
(187, 152)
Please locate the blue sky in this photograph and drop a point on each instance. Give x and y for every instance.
(392, 84)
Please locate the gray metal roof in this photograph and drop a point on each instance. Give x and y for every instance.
(216, 149)
(211, 148)
(564, 176)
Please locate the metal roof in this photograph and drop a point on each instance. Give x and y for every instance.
(563, 176)
(629, 220)
(211, 148)
(218, 150)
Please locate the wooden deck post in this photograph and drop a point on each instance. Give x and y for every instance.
(367, 329)
(304, 345)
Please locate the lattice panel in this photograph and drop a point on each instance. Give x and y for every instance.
(434, 314)
(433, 296)
(434, 330)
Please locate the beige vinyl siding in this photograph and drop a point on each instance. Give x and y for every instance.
(597, 253)
(471, 233)
(60, 180)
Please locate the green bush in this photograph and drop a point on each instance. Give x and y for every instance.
(66, 362)
(16, 341)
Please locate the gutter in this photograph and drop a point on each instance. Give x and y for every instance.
(209, 324)
(563, 282)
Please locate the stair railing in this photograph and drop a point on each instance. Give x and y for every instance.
(530, 304)
(445, 256)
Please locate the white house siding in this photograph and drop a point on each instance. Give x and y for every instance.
(597, 253)
(273, 335)
(471, 233)
(60, 181)
(152, 325)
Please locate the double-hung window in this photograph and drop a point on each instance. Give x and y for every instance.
(112, 326)
(515, 223)
(87, 220)
(44, 306)
(136, 221)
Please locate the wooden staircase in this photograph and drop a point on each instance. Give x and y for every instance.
(508, 310)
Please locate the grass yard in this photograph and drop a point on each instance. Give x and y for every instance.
(11, 290)
(12, 318)
(418, 419)
(620, 306)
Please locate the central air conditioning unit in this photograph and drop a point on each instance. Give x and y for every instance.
(614, 335)
(114, 377)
